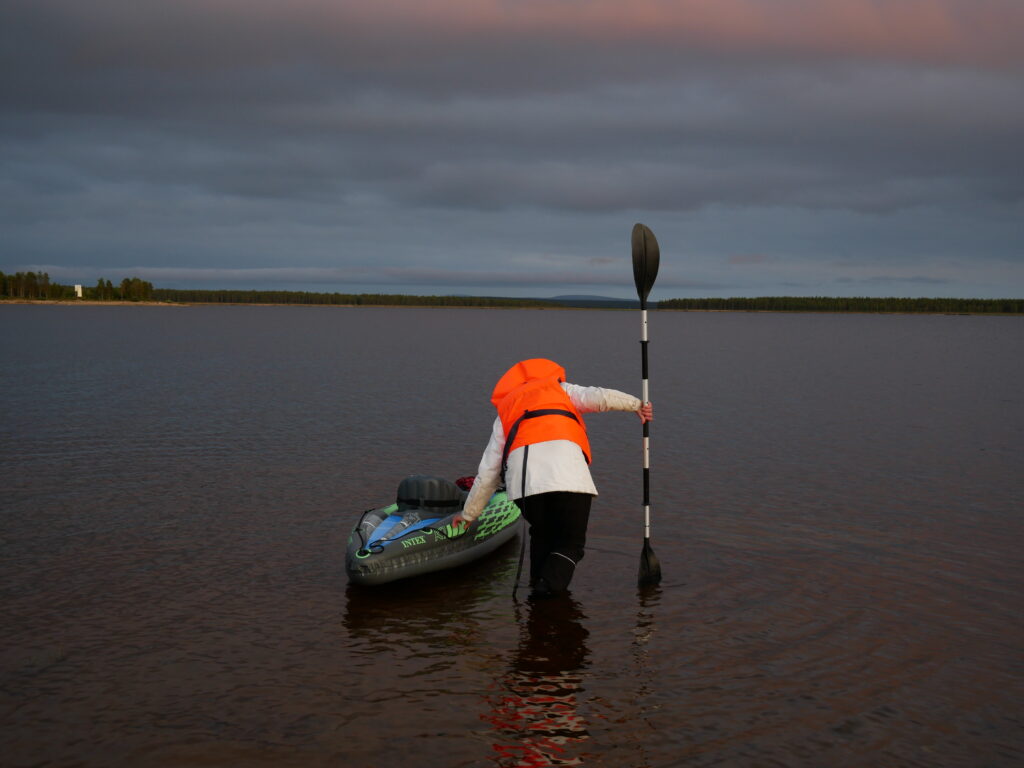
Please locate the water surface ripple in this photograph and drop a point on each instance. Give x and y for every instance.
(836, 501)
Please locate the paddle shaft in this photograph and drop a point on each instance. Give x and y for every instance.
(646, 257)
(647, 427)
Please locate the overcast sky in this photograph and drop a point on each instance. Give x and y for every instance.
(506, 147)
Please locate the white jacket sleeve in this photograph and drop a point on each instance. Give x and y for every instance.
(594, 399)
(488, 474)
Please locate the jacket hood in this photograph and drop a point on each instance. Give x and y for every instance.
(524, 371)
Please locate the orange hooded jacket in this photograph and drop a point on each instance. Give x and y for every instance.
(534, 408)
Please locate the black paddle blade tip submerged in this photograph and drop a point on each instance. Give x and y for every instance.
(650, 568)
(646, 257)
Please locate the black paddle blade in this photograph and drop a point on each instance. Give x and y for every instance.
(650, 568)
(646, 256)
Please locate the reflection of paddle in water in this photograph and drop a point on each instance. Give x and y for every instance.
(643, 631)
(535, 712)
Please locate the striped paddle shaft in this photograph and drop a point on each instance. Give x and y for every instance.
(645, 394)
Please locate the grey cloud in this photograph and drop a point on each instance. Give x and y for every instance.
(748, 259)
(286, 110)
(893, 279)
(195, 134)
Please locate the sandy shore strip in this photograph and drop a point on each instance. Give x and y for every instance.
(92, 303)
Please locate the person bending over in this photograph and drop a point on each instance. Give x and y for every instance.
(539, 448)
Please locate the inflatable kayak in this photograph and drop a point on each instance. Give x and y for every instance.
(415, 536)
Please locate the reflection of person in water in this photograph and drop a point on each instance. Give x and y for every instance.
(535, 712)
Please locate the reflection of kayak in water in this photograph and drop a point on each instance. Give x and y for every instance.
(414, 535)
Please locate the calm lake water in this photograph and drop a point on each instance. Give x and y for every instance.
(836, 501)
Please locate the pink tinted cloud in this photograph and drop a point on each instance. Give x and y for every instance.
(981, 31)
(404, 32)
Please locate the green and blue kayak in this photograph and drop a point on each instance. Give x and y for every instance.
(414, 536)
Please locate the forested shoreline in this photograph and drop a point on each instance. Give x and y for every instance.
(853, 304)
(198, 296)
(37, 286)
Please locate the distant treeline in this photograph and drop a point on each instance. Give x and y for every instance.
(359, 299)
(858, 304)
(37, 285)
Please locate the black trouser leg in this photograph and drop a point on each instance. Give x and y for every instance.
(558, 535)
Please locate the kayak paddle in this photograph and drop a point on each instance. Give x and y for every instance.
(646, 256)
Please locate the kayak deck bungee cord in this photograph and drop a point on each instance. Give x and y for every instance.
(414, 535)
